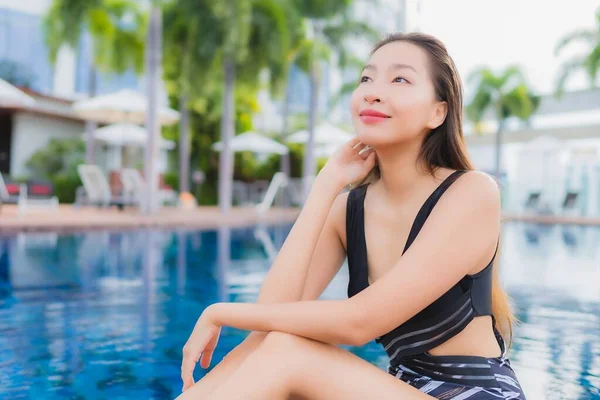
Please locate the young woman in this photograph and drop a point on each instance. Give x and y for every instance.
(420, 232)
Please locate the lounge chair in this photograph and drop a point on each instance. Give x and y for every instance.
(570, 202)
(9, 192)
(97, 189)
(32, 196)
(533, 201)
(134, 186)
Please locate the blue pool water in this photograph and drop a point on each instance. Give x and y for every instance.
(103, 315)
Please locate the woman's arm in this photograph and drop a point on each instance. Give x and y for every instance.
(312, 247)
(328, 257)
(458, 236)
(287, 276)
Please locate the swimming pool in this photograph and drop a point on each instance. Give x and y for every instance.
(103, 315)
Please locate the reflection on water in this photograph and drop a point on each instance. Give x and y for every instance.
(103, 315)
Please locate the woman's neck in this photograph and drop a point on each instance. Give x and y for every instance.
(401, 171)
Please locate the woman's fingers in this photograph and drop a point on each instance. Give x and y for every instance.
(209, 351)
(187, 367)
(365, 154)
(191, 355)
(370, 161)
(359, 146)
(206, 358)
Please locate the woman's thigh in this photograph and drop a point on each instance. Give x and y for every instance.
(324, 372)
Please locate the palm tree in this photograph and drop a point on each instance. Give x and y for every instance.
(117, 29)
(153, 64)
(190, 46)
(207, 43)
(254, 35)
(332, 26)
(504, 95)
(589, 62)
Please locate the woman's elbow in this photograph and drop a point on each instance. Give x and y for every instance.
(357, 330)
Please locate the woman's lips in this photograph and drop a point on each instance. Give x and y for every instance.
(370, 116)
(372, 119)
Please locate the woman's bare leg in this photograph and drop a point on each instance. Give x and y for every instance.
(286, 365)
(224, 369)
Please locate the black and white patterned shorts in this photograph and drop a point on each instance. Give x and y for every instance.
(460, 377)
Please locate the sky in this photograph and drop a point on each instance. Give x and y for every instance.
(501, 33)
(487, 32)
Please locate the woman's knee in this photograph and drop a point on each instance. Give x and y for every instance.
(283, 341)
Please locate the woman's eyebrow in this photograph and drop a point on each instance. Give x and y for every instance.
(394, 66)
(369, 67)
(403, 66)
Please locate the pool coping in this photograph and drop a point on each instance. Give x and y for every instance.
(202, 218)
(552, 219)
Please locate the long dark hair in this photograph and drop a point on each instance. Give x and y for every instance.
(445, 147)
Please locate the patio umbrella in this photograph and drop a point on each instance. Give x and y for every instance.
(254, 142)
(124, 106)
(325, 134)
(128, 106)
(11, 96)
(128, 135)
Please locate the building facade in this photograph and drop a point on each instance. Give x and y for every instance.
(24, 62)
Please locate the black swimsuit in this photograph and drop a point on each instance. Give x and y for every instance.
(445, 377)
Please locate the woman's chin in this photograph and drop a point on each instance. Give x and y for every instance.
(373, 139)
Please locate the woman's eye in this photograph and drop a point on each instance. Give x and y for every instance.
(399, 79)
(364, 79)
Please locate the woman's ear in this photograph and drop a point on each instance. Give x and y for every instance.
(438, 115)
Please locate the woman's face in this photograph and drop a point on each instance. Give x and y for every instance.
(395, 99)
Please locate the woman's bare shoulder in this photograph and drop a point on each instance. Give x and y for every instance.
(474, 190)
(479, 184)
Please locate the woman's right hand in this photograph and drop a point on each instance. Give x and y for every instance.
(348, 165)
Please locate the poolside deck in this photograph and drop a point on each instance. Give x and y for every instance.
(552, 219)
(68, 218)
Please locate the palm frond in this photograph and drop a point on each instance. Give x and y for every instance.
(339, 32)
(582, 35)
(320, 9)
(592, 64)
(64, 22)
(479, 104)
(566, 70)
(519, 102)
(512, 75)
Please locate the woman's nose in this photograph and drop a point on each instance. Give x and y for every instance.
(371, 98)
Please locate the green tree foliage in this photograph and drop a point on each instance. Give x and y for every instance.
(117, 28)
(588, 62)
(503, 95)
(57, 163)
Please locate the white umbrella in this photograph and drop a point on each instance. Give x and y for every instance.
(254, 142)
(325, 134)
(124, 106)
(127, 135)
(10, 96)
